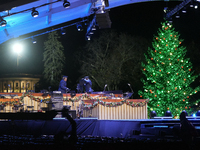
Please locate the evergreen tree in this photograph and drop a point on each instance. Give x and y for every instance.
(54, 59)
(168, 74)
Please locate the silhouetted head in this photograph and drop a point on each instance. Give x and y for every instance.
(182, 115)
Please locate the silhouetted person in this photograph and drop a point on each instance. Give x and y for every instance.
(73, 138)
(187, 131)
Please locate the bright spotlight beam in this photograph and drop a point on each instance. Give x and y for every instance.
(17, 48)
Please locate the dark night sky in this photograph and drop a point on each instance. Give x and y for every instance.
(141, 19)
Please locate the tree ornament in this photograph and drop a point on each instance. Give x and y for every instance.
(158, 105)
(178, 59)
(184, 100)
(144, 69)
(151, 58)
(160, 70)
(169, 59)
(176, 73)
(156, 38)
(171, 35)
(184, 79)
(187, 96)
(160, 52)
(179, 42)
(140, 95)
(166, 44)
(175, 48)
(155, 51)
(189, 69)
(181, 66)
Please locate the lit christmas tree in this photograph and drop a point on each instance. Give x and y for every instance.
(168, 74)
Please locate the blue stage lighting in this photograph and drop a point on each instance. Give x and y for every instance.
(198, 113)
(153, 114)
(194, 115)
(168, 114)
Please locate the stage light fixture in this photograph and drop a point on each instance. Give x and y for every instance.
(184, 10)
(177, 15)
(195, 6)
(79, 27)
(153, 114)
(66, 4)
(93, 28)
(63, 31)
(191, 4)
(34, 13)
(34, 40)
(88, 38)
(2, 22)
(168, 114)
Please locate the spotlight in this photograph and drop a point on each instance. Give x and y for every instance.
(195, 6)
(170, 20)
(93, 28)
(34, 13)
(177, 15)
(17, 48)
(191, 4)
(153, 114)
(2, 22)
(184, 10)
(88, 38)
(79, 27)
(63, 31)
(66, 4)
(34, 40)
(168, 114)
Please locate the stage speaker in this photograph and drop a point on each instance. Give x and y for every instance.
(103, 20)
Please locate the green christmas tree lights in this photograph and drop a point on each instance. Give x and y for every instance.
(168, 74)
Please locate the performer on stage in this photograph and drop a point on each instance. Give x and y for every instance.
(88, 84)
(63, 85)
(84, 82)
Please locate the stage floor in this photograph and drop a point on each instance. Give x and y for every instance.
(141, 128)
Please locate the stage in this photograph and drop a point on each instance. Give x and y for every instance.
(141, 128)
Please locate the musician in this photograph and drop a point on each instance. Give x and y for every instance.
(63, 85)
